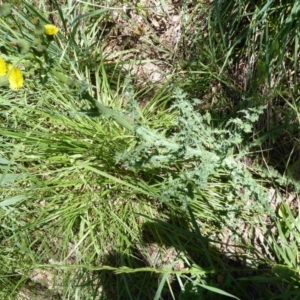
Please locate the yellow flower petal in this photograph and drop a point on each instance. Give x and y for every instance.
(51, 29)
(3, 67)
(15, 78)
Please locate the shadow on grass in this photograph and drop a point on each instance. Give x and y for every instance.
(197, 269)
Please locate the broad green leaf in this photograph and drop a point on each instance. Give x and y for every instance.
(12, 200)
(4, 161)
(9, 178)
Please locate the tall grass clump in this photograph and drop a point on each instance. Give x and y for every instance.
(103, 198)
(58, 164)
(250, 59)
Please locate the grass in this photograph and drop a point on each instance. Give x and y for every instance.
(117, 187)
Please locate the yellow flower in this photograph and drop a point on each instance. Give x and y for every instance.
(51, 29)
(3, 67)
(15, 78)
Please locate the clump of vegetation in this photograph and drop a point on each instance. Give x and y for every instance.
(106, 195)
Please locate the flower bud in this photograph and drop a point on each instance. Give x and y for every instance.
(39, 50)
(36, 42)
(5, 10)
(39, 28)
(23, 46)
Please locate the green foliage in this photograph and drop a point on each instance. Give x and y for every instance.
(199, 153)
(104, 196)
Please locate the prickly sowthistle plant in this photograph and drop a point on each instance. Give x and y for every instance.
(190, 155)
